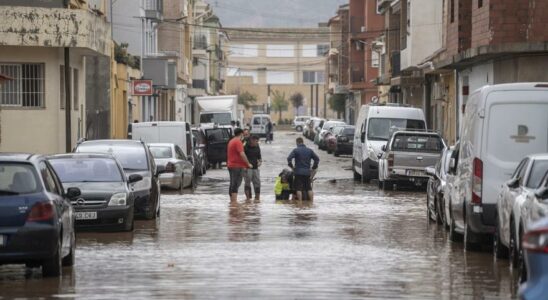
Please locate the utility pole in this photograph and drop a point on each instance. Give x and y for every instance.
(311, 100)
(68, 126)
(317, 98)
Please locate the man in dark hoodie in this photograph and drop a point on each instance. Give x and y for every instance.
(253, 176)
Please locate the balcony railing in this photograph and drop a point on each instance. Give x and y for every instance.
(395, 63)
(154, 9)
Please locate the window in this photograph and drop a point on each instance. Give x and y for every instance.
(75, 90)
(480, 3)
(374, 59)
(87, 170)
(27, 87)
(237, 72)
(280, 77)
(47, 177)
(537, 172)
(243, 50)
(161, 152)
(17, 178)
(313, 77)
(315, 50)
(280, 50)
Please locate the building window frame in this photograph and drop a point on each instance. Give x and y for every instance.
(313, 77)
(27, 89)
(452, 11)
(280, 50)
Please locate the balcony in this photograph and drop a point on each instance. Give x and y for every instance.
(154, 9)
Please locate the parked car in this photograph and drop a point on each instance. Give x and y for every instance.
(200, 154)
(217, 141)
(501, 124)
(327, 127)
(258, 125)
(535, 245)
(36, 217)
(406, 156)
(435, 206)
(316, 125)
(449, 191)
(535, 206)
(341, 141)
(508, 224)
(135, 158)
(373, 129)
(299, 122)
(307, 128)
(175, 168)
(107, 199)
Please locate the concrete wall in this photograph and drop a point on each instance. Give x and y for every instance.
(41, 130)
(522, 69)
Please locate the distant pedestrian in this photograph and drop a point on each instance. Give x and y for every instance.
(302, 169)
(253, 176)
(247, 135)
(237, 163)
(269, 132)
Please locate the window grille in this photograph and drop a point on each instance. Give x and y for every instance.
(26, 89)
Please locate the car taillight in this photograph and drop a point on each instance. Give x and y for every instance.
(390, 160)
(477, 181)
(42, 211)
(170, 168)
(536, 241)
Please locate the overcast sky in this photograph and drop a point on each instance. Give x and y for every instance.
(274, 13)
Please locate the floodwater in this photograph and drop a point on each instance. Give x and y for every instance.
(353, 242)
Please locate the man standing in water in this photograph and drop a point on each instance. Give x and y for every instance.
(237, 163)
(253, 176)
(302, 170)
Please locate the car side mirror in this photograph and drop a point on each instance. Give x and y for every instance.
(73, 192)
(542, 193)
(430, 171)
(383, 148)
(362, 137)
(513, 183)
(134, 178)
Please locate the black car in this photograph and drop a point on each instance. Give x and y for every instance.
(217, 142)
(36, 217)
(341, 141)
(200, 155)
(107, 200)
(136, 159)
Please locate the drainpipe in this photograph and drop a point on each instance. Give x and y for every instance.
(68, 127)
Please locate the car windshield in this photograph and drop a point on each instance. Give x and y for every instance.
(132, 158)
(420, 143)
(217, 118)
(217, 135)
(348, 131)
(160, 152)
(537, 172)
(380, 128)
(17, 179)
(87, 170)
(328, 125)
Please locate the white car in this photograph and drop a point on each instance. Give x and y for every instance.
(299, 123)
(509, 227)
(327, 127)
(501, 124)
(176, 170)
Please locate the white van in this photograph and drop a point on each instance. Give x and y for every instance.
(178, 133)
(258, 124)
(501, 125)
(373, 129)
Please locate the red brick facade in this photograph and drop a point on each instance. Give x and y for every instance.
(459, 25)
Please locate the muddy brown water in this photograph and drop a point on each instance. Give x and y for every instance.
(353, 242)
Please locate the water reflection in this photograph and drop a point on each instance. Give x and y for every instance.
(244, 220)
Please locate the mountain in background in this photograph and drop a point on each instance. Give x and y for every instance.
(274, 13)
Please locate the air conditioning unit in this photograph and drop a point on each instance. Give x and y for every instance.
(363, 28)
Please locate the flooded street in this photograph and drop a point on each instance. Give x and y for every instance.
(353, 242)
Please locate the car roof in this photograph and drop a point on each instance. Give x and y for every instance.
(82, 155)
(539, 156)
(162, 144)
(416, 132)
(113, 142)
(17, 156)
(519, 86)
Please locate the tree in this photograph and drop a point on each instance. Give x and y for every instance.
(297, 100)
(246, 99)
(337, 103)
(279, 103)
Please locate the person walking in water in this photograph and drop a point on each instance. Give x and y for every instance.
(302, 170)
(253, 176)
(237, 163)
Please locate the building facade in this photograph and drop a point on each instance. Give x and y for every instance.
(273, 64)
(44, 50)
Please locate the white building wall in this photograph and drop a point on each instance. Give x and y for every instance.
(41, 130)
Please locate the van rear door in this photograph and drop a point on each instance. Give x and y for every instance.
(516, 125)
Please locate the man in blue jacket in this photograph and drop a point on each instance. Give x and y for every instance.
(302, 170)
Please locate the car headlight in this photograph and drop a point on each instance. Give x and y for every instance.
(119, 199)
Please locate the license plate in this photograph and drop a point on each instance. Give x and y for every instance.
(415, 173)
(86, 215)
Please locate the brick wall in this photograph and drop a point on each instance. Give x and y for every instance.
(459, 25)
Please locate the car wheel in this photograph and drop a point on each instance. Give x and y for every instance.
(513, 247)
(470, 242)
(365, 179)
(454, 236)
(428, 210)
(499, 250)
(52, 267)
(68, 261)
(299, 128)
(357, 175)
